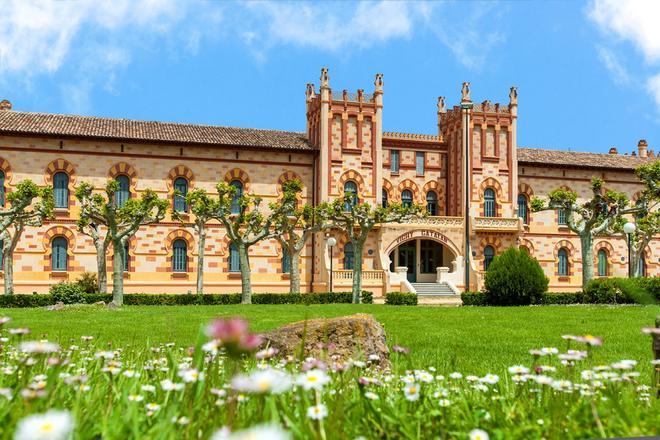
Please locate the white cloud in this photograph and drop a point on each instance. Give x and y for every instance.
(636, 22)
(613, 64)
(94, 40)
(653, 87)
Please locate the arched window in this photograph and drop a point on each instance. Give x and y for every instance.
(602, 263)
(562, 263)
(641, 269)
(385, 198)
(235, 205)
(2, 188)
(124, 192)
(432, 203)
(350, 195)
(561, 216)
(181, 186)
(489, 203)
(522, 208)
(234, 259)
(349, 256)
(126, 257)
(406, 198)
(61, 189)
(180, 256)
(59, 257)
(286, 261)
(489, 254)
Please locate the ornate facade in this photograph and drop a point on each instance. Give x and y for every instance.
(472, 176)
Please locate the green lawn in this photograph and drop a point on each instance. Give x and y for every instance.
(470, 339)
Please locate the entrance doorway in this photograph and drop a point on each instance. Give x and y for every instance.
(422, 258)
(407, 257)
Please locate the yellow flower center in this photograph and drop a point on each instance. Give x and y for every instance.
(47, 427)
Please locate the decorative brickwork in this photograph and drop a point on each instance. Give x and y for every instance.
(46, 241)
(123, 168)
(241, 176)
(60, 165)
(571, 251)
(408, 184)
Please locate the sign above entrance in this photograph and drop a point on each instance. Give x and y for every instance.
(422, 233)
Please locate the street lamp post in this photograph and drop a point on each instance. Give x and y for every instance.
(331, 242)
(629, 229)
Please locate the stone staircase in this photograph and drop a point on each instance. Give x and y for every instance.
(436, 294)
(432, 289)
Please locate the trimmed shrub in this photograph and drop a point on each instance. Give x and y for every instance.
(401, 299)
(515, 279)
(474, 298)
(622, 291)
(68, 293)
(88, 282)
(153, 299)
(562, 298)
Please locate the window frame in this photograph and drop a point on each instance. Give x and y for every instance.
(179, 262)
(563, 268)
(490, 203)
(58, 191)
(523, 202)
(55, 256)
(602, 263)
(489, 256)
(384, 197)
(240, 188)
(121, 192)
(349, 256)
(180, 199)
(350, 201)
(395, 161)
(234, 263)
(405, 201)
(434, 201)
(420, 167)
(561, 217)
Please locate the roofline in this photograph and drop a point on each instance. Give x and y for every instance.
(134, 140)
(575, 166)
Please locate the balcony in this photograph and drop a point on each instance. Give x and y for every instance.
(496, 224)
(370, 277)
(441, 222)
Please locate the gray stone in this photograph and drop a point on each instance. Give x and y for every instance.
(57, 306)
(348, 337)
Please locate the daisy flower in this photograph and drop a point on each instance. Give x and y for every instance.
(478, 434)
(262, 381)
(317, 412)
(270, 432)
(313, 379)
(411, 392)
(52, 425)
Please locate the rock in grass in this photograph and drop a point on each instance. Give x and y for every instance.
(57, 306)
(357, 336)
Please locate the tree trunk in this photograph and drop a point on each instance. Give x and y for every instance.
(8, 266)
(294, 276)
(357, 272)
(117, 273)
(246, 287)
(586, 242)
(200, 259)
(101, 268)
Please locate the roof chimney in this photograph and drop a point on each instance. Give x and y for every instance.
(5, 105)
(642, 146)
(613, 150)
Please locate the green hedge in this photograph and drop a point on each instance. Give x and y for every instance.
(598, 291)
(480, 298)
(152, 299)
(401, 299)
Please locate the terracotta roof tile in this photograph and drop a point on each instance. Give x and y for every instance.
(539, 156)
(27, 123)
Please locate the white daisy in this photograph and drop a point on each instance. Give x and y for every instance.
(52, 425)
(317, 412)
(478, 434)
(313, 379)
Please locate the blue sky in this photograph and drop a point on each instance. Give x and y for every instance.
(588, 73)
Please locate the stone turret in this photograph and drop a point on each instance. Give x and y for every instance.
(5, 105)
